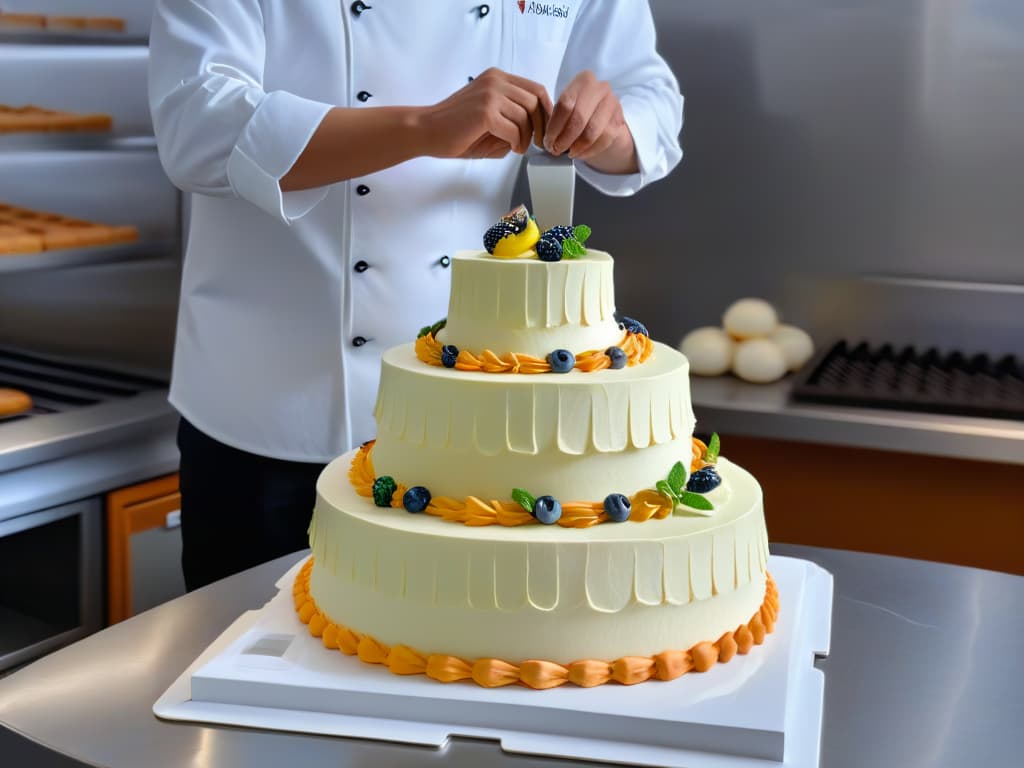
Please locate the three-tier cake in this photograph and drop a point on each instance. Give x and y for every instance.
(535, 508)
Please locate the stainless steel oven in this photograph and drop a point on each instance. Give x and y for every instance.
(51, 579)
(92, 430)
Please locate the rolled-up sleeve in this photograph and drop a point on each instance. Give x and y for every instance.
(616, 40)
(218, 131)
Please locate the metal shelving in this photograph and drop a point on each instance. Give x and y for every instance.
(80, 257)
(69, 37)
(57, 141)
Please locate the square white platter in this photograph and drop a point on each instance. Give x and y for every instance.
(266, 671)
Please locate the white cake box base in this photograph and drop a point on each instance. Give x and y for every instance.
(266, 671)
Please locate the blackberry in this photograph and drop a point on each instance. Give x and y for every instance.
(633, 326)
(703, 480)
(449, 354)
(560, 233)
(549, 249)
(383, 489)
(500, 230)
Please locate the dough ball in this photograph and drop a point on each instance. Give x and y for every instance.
(750, 319)
(759, 361)
(796, 345)
(709, 350)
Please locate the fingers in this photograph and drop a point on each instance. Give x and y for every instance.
(573, 113)
(511, 128)
(600, 132)
(543, 104)
(531, 98)
(513, 110)
(487, 146)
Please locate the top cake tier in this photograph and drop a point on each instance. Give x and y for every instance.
(531, 307)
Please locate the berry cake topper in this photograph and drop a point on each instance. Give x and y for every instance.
(516, 236)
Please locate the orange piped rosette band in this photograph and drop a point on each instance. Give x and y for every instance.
(645, 504)
(637, 346)
(535, 673)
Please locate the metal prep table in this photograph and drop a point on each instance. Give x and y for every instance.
(925, 670)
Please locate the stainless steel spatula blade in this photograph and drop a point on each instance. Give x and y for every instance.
(552, 181)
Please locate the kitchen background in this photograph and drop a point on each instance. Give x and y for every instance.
(859, 163)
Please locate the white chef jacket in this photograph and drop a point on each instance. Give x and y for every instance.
(288, 299)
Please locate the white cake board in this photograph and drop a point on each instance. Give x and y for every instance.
(266, 671)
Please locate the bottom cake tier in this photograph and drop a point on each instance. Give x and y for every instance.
(539, 605)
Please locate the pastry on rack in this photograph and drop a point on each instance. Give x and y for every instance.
(22, 20)
(34, 119)
(13, 402)
(23, 230)
(39, 21)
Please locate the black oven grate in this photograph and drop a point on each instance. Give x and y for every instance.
(905, 379)
(56, 386)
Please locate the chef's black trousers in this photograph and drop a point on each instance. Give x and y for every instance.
(238, 509)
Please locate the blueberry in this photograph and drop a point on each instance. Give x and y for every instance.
(449, 354)
(416, 499)
(547, 510)
(616, 506)
(560, 233)
(500, 230)
(703, 480)
(383, 489)
(633, 326)
(618, 357)
(549, 249)
(562, 361)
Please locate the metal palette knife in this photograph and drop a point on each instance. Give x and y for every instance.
(552, 181)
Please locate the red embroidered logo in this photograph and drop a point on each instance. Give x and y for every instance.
(522, 5)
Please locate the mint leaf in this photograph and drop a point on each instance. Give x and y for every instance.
(696, 501)
(438, 326)
(572, 248)
(677, 477)
(524, 499)
(581, 233)
(664, 488)
(714, 446)
(423, 332)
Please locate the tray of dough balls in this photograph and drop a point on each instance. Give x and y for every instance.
(751, 343)
(32, 239)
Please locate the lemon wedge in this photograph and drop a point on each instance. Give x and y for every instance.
(519, 245)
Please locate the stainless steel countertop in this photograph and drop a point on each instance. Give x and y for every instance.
(925, 670)
(143, 453)
(730, 406)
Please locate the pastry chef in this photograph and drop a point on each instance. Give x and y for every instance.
(337, 155)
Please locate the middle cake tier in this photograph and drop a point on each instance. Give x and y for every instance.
(576, 436)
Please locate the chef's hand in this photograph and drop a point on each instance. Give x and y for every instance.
(496, 113)
(587, 122)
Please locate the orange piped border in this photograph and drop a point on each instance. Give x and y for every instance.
(472, 511)
(534, 673)
(637, 346)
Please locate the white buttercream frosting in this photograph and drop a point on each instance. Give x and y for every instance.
(574, 436)
(531, 307)
(616, 589)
